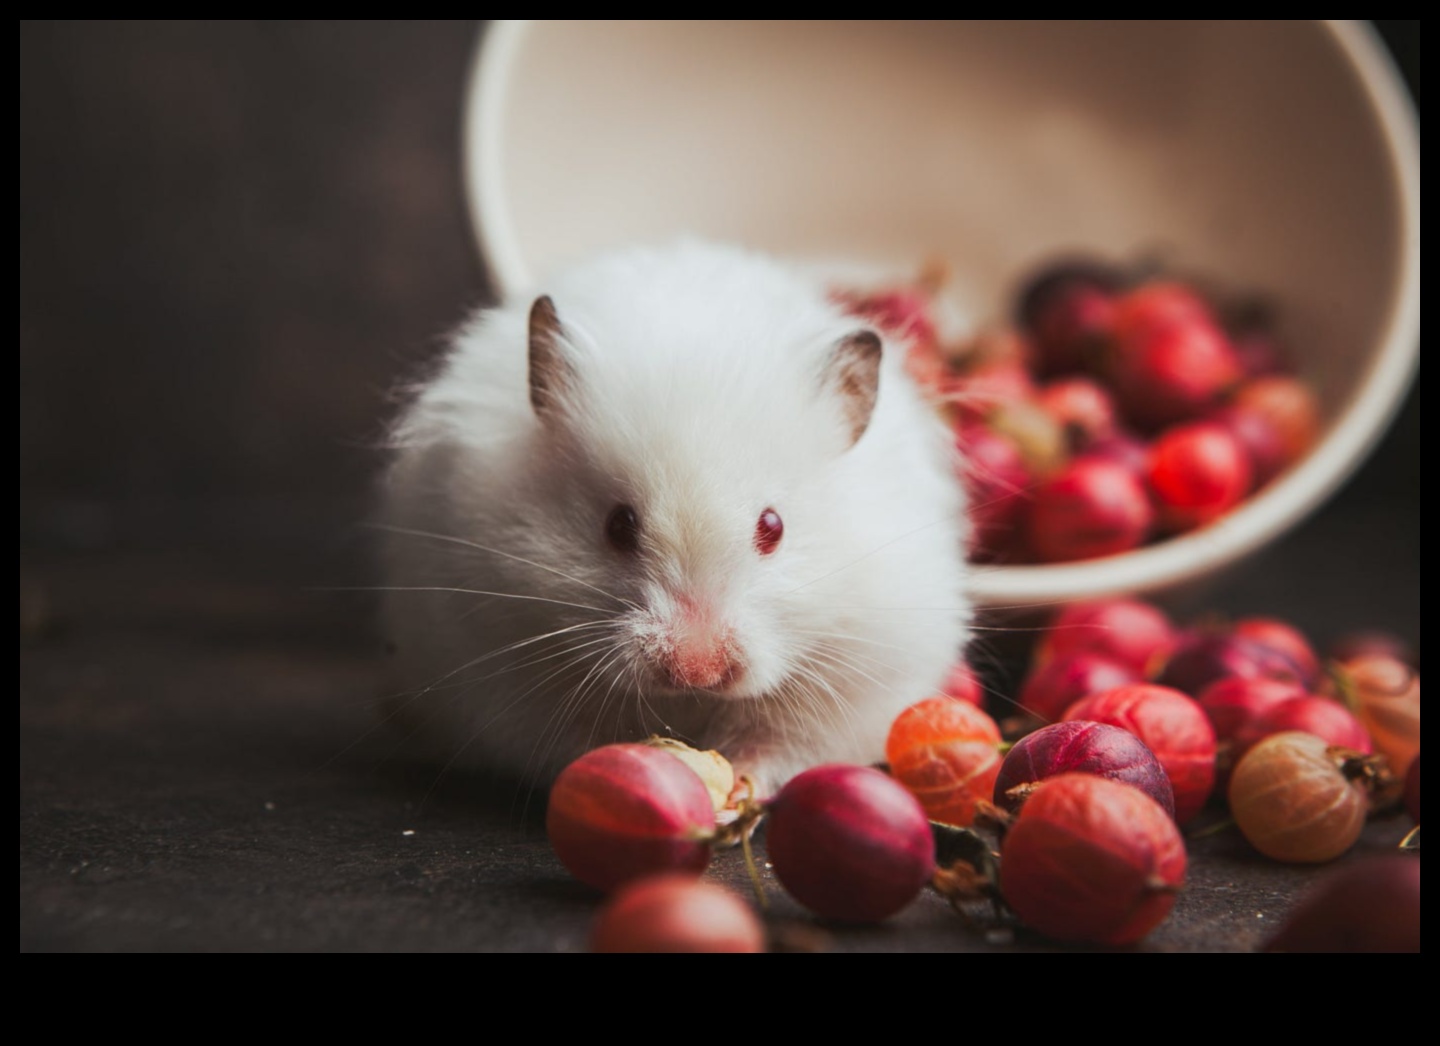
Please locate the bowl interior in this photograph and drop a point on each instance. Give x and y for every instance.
(1266, 156)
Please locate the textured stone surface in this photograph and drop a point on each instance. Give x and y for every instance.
(202, 768)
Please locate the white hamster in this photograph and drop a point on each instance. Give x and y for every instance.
(677, 491)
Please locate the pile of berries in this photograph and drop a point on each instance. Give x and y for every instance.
(1127, 727)
(1116, 409)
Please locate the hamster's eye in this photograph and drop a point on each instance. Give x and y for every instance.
(769, 529)
(622, 528)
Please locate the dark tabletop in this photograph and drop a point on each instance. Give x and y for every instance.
(234, 239)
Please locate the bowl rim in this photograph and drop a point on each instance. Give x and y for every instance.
(1169, 564)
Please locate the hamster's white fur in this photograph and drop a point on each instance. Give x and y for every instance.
(695, 393)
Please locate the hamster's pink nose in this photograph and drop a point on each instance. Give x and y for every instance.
(691, 664)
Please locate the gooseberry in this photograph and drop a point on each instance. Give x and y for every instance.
(1384, 694)
(1130, 631)
(1068, 307)
(1198, 472)
(1412, 788)
(1284, 637)
(963, 685)
(1083, 408)
(1092, 507)
(1171, 370)
(1083, 747)
(1326, 719)
(676, 912)
(1056, 684)
(947, 754)
(1203, 655)
(1091, 859)
(626, 810)
(1172, 726)
(1372, 905)
(997, 483)
(849, 842)
(1296, 798)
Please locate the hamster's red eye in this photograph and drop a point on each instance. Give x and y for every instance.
(622, 528)
(769, 529)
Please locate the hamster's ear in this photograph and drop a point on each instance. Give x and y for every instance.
(853, 373)
(550, 372)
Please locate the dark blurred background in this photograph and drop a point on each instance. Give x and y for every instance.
(235, 239)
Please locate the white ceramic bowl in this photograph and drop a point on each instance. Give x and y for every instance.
(1281, 157)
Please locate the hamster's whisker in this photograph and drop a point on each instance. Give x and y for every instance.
(838, 709)
(605, 703)
(414, 696)
(508, 648)
(850, 637)
(475, 735)
(408, 531)
(642, 704)
(1009, 489)
(878, 548)
(800, 701)
(566, 706)
(842, 654)
(578, 697)
(844, 659)
(540, 658)
(564, 714)
(461, 591)
(466, 685)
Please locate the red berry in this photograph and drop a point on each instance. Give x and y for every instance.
(1372, 642)
(850, 843)
(1284, 637)
(997, 483)
(1370, 906)
(1384, 694)
(1172, 726)
(1074, 328)
(1081, 747)
(1259, 353)
(947, 754)
(1198, 472)
(1293, 801)
(1157, 306)
(1056, 684)
(982, 388)
(1326, 719)
(963, 685)
(1093, 860)
(1412, 788)
(1287, 403)
(1259, 438)
(1234, 706)
(1090, 508)
(1129, 452)
(627, 810)
(902, 313)
(928, 367)
(1127, 630)
(1235, 703)
(675, 912)
(1204, 655)
(1068, 308)
(1082, 407)
(1172, 372)
(1036, 432)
